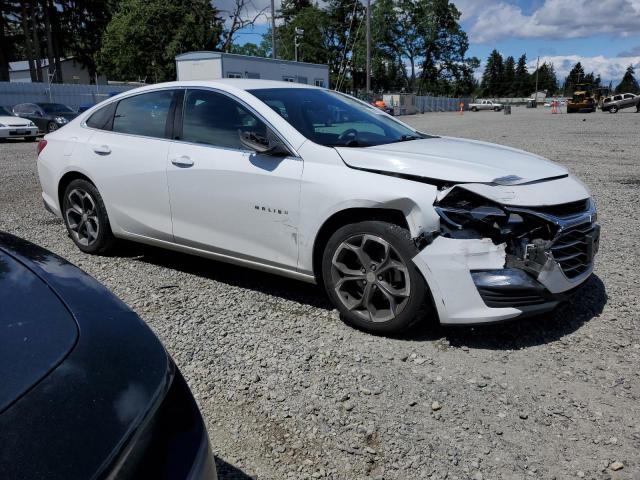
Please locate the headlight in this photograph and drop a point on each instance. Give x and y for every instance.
(31, 124)
(61, 120)
(461, 209)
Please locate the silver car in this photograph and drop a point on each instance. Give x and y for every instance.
(613, 103)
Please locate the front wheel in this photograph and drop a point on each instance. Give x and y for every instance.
(52, 127)
(370, 277)
(613, 109)
(85, 217)
(474, 109)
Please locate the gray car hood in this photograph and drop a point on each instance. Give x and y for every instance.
(454, 160)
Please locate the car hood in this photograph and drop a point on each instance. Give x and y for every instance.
(37, 329)
(454, 160)
(7, 120)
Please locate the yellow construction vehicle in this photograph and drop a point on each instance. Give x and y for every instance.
(583, 100)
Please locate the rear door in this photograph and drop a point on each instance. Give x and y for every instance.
(127, 154)
(629, 100)
(225, 198)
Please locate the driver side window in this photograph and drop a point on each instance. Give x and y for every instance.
(215, 119)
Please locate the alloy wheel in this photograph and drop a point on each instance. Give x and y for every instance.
(82, 217)
(370, 278)
(52, 127)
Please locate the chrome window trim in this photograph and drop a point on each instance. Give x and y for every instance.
(292, 150)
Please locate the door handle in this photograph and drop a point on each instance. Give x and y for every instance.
(102, 149)
(182, 161)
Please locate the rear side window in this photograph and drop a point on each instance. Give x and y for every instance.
(628, 96)
(103, 118)
(144, 114)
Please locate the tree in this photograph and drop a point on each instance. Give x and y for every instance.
(240, 17)
(522, 79)
(547, 79)
(134, 47)
(576, 75)
(509, 77)
(493, 76)
(629, 84)
(250, 49)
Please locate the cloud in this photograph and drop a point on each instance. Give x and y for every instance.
(554, 19)
(610, 69)
(633, 52)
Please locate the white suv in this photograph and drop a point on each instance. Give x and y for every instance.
(312, 184)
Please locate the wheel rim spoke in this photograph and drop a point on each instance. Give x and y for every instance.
(81, 217)
(370, 278)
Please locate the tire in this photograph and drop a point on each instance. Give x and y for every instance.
(396, 290)
(474, 109)
(496, 109)
(85, 217)
(613, 109)
(52, 127)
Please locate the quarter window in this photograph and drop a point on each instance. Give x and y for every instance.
(103, 118)
(144, 114)
(212, 118)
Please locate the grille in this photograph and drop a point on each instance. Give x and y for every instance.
(18, 124)
(575, 247)
(501, 297)
(563, 210)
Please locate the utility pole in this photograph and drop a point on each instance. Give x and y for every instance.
(368, 46)
(535, 94)
(273, 30)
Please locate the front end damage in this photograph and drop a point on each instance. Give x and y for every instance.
(493, 260)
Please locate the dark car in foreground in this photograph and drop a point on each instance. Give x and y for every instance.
(86, 389)
(49, 117)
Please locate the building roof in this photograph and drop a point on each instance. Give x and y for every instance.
(206, 55)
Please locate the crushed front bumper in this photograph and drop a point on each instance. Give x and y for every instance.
(470, 283)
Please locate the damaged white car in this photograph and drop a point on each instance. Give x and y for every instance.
(312, 184)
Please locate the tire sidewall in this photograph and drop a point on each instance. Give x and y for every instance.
(400, 239)
(105, 237)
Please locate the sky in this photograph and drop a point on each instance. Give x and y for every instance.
(602, 34)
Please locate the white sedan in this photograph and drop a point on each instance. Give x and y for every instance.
(16, 127)
(316, 185)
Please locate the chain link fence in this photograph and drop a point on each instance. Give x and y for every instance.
(69, 94)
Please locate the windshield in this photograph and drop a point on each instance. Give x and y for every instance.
(333, 119)
(55, 108)
(5, 112)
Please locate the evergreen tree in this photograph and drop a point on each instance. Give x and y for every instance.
(547, 79)
(576, 75)
(493, 75)
(509, 87)
(629, 84)
(522, 79)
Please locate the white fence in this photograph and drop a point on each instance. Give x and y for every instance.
(69, 94)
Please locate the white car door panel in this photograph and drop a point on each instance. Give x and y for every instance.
(228, 200)
(130, 163)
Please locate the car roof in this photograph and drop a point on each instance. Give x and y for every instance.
(230, 84)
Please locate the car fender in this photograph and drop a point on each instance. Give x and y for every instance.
(350, 188)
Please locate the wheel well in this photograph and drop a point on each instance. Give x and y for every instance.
(66, 179)
(345, 217)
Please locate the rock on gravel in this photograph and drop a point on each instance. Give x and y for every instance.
(272, 366)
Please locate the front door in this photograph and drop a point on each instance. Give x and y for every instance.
(224, 198)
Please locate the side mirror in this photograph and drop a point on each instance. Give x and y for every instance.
(269, 145)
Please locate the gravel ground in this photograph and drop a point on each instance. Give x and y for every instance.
(289, 391)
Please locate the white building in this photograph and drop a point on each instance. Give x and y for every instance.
(213, 65)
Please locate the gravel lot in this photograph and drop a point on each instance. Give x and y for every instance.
(289, 391)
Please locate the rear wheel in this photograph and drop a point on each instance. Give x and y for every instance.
(474, 109)
(85, 217)
(369, 275)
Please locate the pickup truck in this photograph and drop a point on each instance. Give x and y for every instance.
(613, 103)
(485, 105)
